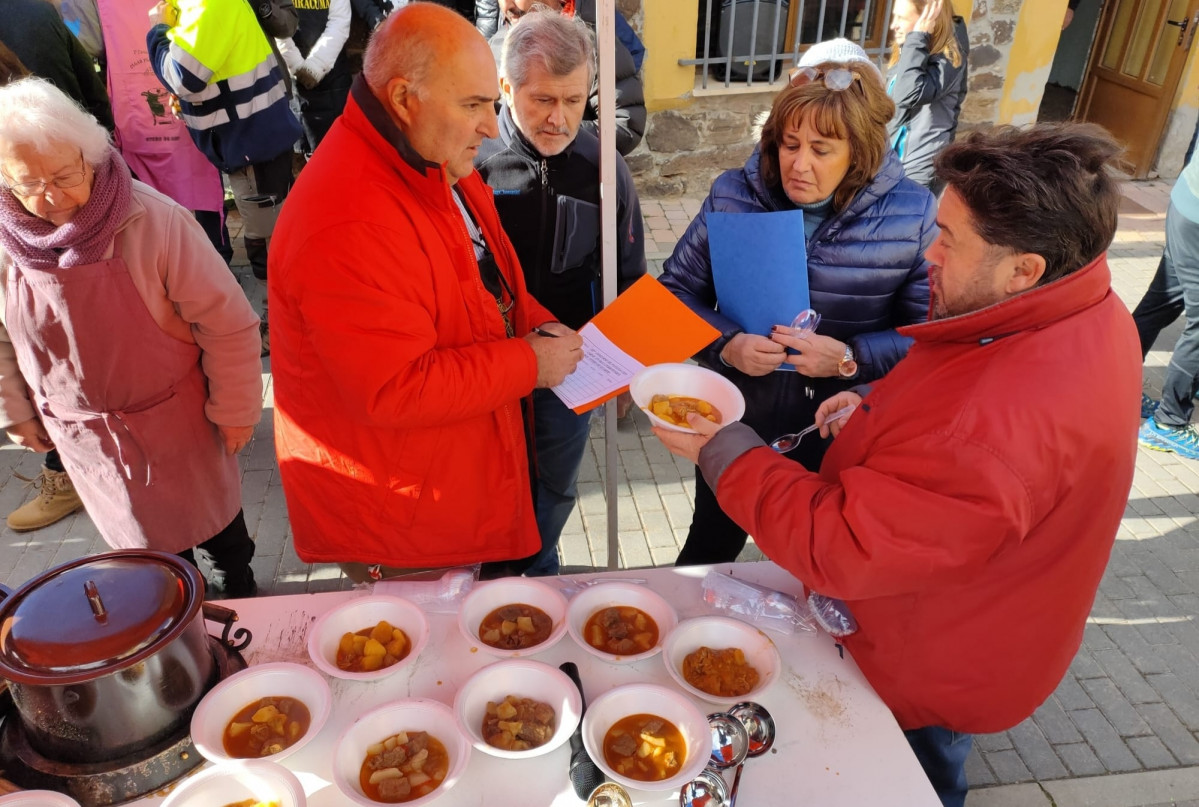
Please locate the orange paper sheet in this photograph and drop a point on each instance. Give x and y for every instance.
(652, 326)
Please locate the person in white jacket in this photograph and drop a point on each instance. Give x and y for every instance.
(316, 57)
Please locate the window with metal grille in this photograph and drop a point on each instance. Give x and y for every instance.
(743, 43)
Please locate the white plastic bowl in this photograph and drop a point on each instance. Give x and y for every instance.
(237, 781)
(411, 714)
(486, 597)
(690, 380)
(360, 613)
(524, 679)
(38, 798)
(606, 595)
(279, 679)
(662, 702)
(718, 633)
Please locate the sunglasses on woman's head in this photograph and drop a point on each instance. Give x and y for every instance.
(837, 79)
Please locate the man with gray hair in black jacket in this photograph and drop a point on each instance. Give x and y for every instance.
(544, 169)
(630, 95)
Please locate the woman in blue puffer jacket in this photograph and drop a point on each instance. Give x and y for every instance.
(824, 150)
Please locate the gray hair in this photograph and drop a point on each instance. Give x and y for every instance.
(559, 43)
(35, 113)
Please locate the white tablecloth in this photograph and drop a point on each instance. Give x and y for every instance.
(837, 744)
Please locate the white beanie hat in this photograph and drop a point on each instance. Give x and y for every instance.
(837, 50)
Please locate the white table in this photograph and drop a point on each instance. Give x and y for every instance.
(837, 744)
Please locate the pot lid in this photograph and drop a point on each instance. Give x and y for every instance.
(96, 614)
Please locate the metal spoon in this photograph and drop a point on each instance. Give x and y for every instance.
(610, 794)
(730, 741)
(759, 728)
(789, 441)
(706, 790)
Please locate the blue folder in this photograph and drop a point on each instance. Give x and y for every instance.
(760, 267)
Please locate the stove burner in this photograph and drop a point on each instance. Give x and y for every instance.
(111, 782)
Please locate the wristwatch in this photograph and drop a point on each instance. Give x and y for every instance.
(848, 367)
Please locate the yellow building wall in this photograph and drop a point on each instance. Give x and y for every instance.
(1188, 87)
(1030, 60)
(668, 30)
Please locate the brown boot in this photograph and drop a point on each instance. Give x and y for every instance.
(56, 499)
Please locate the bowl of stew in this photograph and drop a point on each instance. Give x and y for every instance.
(720, 659)
(518, 708)
(408, 751)
(267, 711)
(513, 616)
(685, 387)
(647, 737)
(242, 783)
(620, 622)
(343, 642)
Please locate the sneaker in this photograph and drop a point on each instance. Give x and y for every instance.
(1183, 441)
(1148, 406)
(56, 499)
(264, 331)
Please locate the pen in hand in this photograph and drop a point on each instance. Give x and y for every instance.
(541, 332)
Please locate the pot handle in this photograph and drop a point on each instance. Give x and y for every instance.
(233, 638)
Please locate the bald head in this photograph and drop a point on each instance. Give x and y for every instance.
(435, 75)
(412, 41)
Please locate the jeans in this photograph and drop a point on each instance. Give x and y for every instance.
(942, 753)
(1181, 263)
(230, 552)
(560, 441)
(1160, 306)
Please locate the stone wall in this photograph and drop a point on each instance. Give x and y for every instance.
(992, 28)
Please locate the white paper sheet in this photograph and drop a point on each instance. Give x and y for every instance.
(605, 368)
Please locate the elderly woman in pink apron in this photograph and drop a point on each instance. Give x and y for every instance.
(126, 343)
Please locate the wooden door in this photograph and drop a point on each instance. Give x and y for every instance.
(1138, 58)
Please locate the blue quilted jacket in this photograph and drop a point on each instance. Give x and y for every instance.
(866, 276)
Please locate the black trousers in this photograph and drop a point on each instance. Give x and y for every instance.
(213, 223)
(230, 552)
(713, 536)
(53, 462)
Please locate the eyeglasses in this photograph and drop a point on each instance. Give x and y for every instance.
(37, 187)
(837, 79)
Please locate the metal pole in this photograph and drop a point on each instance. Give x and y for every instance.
(753, 44)
(605, 28)
(707, 44)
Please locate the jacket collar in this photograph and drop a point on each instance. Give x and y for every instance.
(516, 141)
(379, 119)
(1029, 311)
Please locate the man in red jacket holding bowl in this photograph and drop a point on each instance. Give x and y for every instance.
(966, 510)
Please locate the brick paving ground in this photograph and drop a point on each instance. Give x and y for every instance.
(1129, 705)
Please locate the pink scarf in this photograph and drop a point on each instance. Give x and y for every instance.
(35, 243)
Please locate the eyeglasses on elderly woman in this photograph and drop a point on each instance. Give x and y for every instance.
(837, 79)
(36, 187)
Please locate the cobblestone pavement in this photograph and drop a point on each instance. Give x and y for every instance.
(1127, 712)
